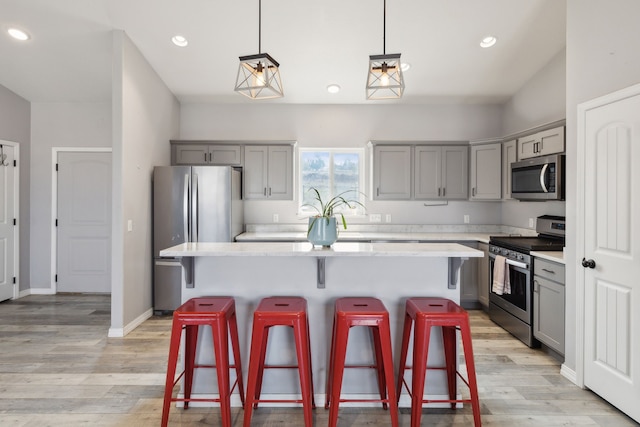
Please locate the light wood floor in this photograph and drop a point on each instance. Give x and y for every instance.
(58, 368)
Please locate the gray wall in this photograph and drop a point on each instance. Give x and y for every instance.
(57, 125)
(145, 118)
(15, 126)
(351, 126)
(602, 57)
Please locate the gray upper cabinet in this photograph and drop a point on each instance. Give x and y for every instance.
(455, 163)
(268, 172)
(509, 155)
(541, 143)
(206, 154)
(486, 171)
(392, 172)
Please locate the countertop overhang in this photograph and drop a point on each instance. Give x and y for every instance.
(339, 249)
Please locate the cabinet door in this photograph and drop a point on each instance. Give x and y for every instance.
(551, 141)
(508, 157)
(255, 172)
(527, 146)
(280, 173)
(428, 172)
(483, 275)
(469, 280)
(486, 172)
(192, 155)
(224, 155)
(392, 172)
(548, 313)
(454, 172)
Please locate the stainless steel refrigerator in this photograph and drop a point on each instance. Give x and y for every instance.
(191, 204)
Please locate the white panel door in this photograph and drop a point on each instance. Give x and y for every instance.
(612, 242)
(7, 227)
(84, 222)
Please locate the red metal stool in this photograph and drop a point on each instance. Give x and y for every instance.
(361, 311)
(280, 311)
(428, 312)
(220, 314)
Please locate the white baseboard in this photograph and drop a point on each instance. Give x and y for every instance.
(121, 332)
(36, 291)
(569, 374)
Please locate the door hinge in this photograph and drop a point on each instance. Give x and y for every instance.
(15, 163)
(14, 280)
(56, 222)
(56, 278)
(15, 221)
(56, 167)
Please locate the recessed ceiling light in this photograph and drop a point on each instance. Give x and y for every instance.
(405, 66)
(179, 40)
(488, 41)
(18, 34)
(333, 88)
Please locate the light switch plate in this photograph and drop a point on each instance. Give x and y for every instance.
(375, 217)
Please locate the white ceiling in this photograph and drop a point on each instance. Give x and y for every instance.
(68, 57)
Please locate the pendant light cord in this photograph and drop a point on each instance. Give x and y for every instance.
(260, 25)
(384, 28)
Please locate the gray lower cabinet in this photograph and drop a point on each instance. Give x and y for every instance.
(549, 303)
(469, 280)
(483, 275)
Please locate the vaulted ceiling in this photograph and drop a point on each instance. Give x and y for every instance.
(317, 43)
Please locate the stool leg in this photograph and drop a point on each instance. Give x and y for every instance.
(420, 354)
(406, 335)
(313, 399)
(174, 348)
(387, 360)
(235, 344)
(263, 356)
(219, 332)
(471, 372)
(449, 340)
(382, 386)
(191, 341)
(254, 366)
(304, 369)
(332, 353)
(337, 371)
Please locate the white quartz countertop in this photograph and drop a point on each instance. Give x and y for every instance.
(555, 256)
(353, 236)
(338, 249)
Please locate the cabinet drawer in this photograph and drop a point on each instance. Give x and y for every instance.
(549, 270)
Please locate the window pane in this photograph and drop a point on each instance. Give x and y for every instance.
(314, 168)
(346, 174)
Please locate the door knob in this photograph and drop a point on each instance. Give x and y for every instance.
(588, 263)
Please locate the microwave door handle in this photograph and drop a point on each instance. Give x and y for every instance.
(517, 264)
(543, 174)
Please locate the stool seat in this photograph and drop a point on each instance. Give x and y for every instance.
(220, 314)
(428, 312)
(280, 311)
(369, 312)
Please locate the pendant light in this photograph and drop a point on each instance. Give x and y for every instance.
(385, 80)
(259, 75)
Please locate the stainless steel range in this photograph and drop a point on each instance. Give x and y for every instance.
(514, 311)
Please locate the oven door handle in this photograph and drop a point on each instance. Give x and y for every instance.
(517, 264)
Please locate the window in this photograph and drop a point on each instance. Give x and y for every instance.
(331, 172)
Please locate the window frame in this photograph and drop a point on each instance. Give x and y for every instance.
(360, 210)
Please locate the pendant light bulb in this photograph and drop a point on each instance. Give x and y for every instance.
(385, 79)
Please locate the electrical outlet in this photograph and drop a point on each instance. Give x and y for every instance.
(130, 225)
(532, 224)
(466, 219)
(387, 218)
(276, 218)
(375, 217)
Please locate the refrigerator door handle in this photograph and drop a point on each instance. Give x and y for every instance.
(194, 210)
(185, 209)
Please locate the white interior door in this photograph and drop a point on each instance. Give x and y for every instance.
(7, 226)
(612, 242)
(84, 222)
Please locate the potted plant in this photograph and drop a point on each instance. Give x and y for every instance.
(323, 228)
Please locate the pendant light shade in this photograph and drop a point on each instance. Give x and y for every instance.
(259, 75)
(385, 80)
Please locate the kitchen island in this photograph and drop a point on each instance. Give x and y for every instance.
(389, 271)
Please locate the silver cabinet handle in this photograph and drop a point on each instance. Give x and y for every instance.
(473, 192)
(439, 191)
(377, 191)
(269, 191)
(444, 191)
(549, 271)
(205, 157)
(210, 156)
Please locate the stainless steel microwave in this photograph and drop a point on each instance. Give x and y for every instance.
(538, 178)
